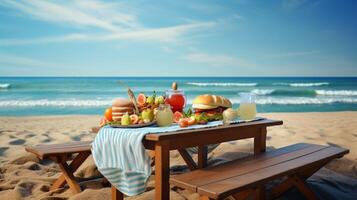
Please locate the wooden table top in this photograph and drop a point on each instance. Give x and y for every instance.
(188, 132)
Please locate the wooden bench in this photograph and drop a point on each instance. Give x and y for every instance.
(61, 153)
(245, 178)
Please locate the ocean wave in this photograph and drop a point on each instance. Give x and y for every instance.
(337, 92)
(222, 84)
(58, 103)
(294, 100)
(304, 84)
(277, 92)
(4, 85)
(262, 91)
(303, 100)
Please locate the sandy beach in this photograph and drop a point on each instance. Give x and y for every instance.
(23, 176)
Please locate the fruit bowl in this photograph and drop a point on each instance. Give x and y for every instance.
(114, 125)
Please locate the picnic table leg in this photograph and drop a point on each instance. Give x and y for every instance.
(260, 147)
(260, 141)
(116, 194)
(188, 159)
(70, 179)
(202, 156)
(162, 171)
(296, 181)
(77, 161)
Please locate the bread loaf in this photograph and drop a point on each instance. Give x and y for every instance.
(208, 101)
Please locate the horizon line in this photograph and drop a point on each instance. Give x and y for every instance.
(186, 76)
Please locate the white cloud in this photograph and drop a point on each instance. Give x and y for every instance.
(81, 13)
(107, 17)
(292, 54)
(166, 34)
(216, 60)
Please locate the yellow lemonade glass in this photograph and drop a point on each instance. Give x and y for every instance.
(164, 115)
(247, 107)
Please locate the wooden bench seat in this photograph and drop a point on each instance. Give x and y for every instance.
(61, 153)
(246, 177)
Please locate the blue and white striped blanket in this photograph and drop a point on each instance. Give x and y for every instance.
(121, 157)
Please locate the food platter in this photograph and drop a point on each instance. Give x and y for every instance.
(133, 125)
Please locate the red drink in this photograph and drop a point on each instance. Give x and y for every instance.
(176, 99)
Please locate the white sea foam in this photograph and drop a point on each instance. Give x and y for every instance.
(304, 84)
(262, 91)
(223, 84)
(4, 85)
(294, 100)
(298, 100)
(57, 103)
(337, 92)
(101, 103)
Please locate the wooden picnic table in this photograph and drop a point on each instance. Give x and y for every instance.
(163, 143)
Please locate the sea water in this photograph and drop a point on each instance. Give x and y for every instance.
(21, 96)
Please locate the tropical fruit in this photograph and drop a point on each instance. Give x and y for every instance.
(125, 120)
(150, 100)
(148, 115)
(108, 114)
(177, 116)
(134, 119)
(141, 99)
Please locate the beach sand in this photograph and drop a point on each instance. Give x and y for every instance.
(23, 176)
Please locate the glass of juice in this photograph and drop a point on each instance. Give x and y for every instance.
(164, 116)
(176, 99)
(247, 107)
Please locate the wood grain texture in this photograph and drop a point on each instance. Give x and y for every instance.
(221, 181)
(162, 171)
(45, 151)
(183, 133)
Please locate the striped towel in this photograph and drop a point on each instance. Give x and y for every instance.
(121, 157)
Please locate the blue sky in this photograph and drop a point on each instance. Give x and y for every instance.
(178, 38)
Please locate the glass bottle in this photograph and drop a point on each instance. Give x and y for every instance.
(176, 99)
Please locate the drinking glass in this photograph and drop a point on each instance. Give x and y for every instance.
(247, 107)
(164, 116)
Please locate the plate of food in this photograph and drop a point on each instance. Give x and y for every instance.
(123, 114)
(119, 125)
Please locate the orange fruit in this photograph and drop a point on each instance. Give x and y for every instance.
(108, 114)
(141, 99)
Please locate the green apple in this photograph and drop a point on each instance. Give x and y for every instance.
(125, 120)
(159, 100)
(150, 100)
(148, 114)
